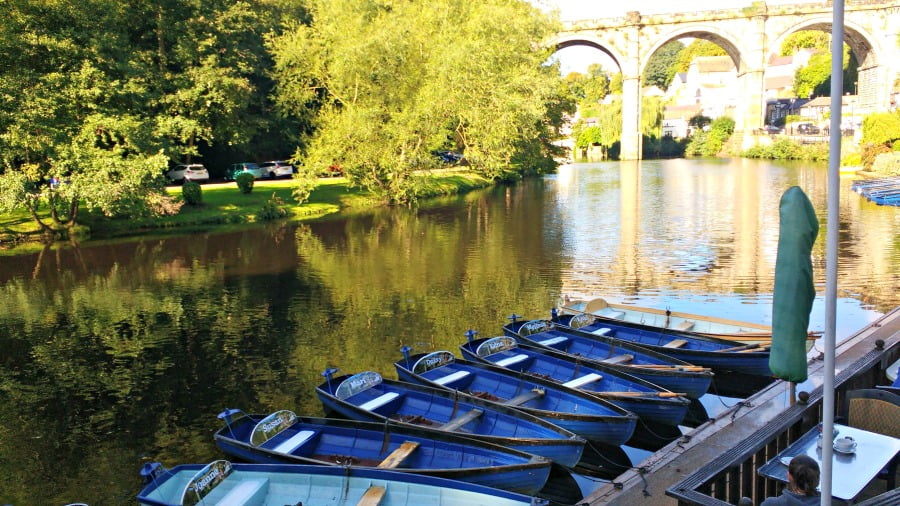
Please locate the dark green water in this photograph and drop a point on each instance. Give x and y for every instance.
(116, 354)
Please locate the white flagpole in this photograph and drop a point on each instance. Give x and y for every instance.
(831, 244)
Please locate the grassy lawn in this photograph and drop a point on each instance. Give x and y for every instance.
(225, 206)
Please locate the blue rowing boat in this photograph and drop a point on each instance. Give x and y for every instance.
(368, 396)
(224, 483)
(592, 418)
(718, 354)
(667, 372)
(285, 438)
(650, 402)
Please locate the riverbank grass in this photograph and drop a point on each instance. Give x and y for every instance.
(224, 205)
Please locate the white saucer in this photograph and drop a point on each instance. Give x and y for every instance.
(845, 452)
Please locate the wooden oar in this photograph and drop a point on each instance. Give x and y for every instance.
(664, 395)
(673, 367)
(747, 346)
(764, 347)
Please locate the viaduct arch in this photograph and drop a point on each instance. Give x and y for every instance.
(749, 36)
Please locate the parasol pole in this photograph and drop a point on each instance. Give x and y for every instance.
(831, 242)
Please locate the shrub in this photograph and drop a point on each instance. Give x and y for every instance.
(881, 128)
(304, 183)
(244, 181)
(193, 195)
(887, 164)
(273, 209)
(868, 153)
(851, 160)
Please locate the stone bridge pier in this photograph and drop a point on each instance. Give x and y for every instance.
(750, 36)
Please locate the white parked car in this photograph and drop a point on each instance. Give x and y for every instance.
(184, 173)
(237, 168)
(278, 168)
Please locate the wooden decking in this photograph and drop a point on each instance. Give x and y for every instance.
(646, 484)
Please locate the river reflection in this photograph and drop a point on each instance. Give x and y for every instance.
(114, 354)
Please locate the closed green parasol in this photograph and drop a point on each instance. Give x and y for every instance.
(794, 290)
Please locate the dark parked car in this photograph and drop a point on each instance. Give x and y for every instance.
(807, 129)
(773, 130)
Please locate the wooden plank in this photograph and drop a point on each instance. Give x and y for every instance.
(399, 455)
(459, 421)
(676, 343)
(525, 397)
(618, 359)
(373, 496)
(684, 325)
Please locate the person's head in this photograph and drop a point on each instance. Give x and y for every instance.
(803, 473)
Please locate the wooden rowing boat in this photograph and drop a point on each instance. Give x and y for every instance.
(285, 438)
(650, 402)
(720, 355)
(710, 326)
(668, 372)
(222, 482)
(369, 397)
(590, 417)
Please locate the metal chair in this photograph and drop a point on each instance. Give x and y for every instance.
(878, 411)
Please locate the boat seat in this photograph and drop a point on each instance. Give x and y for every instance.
(450, 378)
(373, 496)
(602, 332)
(247, 492)
(554, 340)
(524, 397)
(619, 359)
(583, 380)
(379, 401)
(289, 445)
(399, 455)
(684, 325)
(508, 361)
(461, 420)
(675, 343)
(610, 313)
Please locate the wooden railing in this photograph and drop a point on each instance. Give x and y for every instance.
(733, 475)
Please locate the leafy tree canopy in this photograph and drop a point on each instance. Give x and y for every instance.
(662, 67)
(98, 96)
(696, 48)
(806, 39)
(399, 80)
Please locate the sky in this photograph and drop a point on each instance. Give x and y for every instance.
(577, 58)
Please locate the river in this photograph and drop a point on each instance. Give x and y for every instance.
(118, 353)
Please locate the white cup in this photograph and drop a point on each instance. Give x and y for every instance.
(845, 444)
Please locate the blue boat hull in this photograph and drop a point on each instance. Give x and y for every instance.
(326, 441)
(277, 485)
(679, 376)
(583, 414)
(430, 409)
(645, 398)
(703, 351)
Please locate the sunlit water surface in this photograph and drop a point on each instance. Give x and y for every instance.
(119, 353)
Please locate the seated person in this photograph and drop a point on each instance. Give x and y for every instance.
(803, 479)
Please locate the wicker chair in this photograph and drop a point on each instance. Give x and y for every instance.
(878, 411)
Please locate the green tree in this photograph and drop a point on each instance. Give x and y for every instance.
(101, 95)
(806, 39)
(653, 111)
(695, 49)
(596, 86)
(814, 79)
(662, 66)
(615, 84)
(398, 81)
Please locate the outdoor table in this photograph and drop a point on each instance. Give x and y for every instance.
(850, 472)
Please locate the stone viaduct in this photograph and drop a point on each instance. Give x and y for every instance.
(750, 36)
